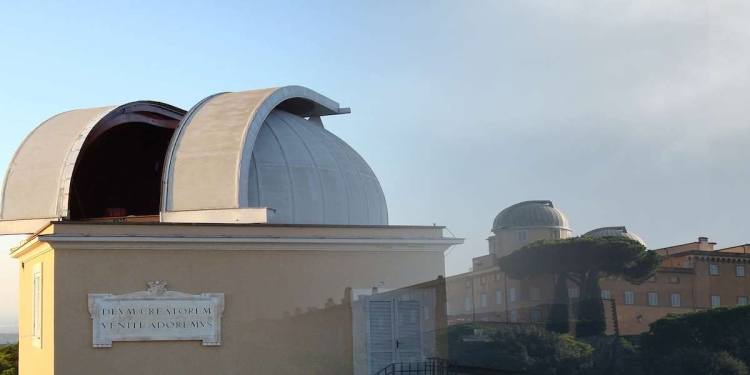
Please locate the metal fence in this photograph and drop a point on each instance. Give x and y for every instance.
(433, 366)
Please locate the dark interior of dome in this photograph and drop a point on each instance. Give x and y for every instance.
(298, 106)
(119, 173)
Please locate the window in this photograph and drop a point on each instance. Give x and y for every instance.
(512, 294)
(715, 300)
(629, 298)
(447, 308)
(499, 297)
(498, 277)
(536, 316)
(573, 292)
(739, 271)
(742, 300)
(36, 308)
(652, 279)
(534, 293)
(467, 304)
(522, 235)
(674, 299)
(426, 312)
(467, 284)
(713, 269)
(653, 299)
(483, 280)
(483, 299)
(606, 294)
(674, 279)
(514, 316)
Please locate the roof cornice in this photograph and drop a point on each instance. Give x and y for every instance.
(247, 243)
(707, 254)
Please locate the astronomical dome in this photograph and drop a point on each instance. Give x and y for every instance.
(530, 214)
(614, 231)
(260, 156)
(309, 175)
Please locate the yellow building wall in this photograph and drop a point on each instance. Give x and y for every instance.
(287, 311)
(32, 359)
(628, 317)
(664, 284)
(486, 281)
(727, 285)
(257, 285)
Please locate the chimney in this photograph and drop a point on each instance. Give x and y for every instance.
(347, 295)
(703, 243)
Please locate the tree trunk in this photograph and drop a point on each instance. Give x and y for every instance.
(591, 320)
(559, 314)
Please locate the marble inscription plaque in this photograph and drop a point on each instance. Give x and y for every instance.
(156, 314)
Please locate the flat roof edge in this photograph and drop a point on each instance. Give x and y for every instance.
(25, 226)
(268, 225)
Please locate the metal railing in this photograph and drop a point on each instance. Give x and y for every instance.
(433, 366)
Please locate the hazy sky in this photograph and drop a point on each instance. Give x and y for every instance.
(621, 113)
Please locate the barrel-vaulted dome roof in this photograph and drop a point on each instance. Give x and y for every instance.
(309, 175)
(540, 214)
(257, 149)
(614, 231)
(38, 185)
(251, 156)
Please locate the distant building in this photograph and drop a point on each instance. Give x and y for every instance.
(693, 276)
(524, 223)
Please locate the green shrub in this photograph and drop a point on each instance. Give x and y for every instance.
(9, 359)
(693, 361)
(519, 348)
(724, 329)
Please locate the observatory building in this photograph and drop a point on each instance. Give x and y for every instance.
(165, 241)
(524, 223)
(249, 157)
(692, 276)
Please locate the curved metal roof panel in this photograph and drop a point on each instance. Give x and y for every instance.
(539, 213)
(39, 172)
(310, 176)
(38, 180)
(256, 149)
(614, 231)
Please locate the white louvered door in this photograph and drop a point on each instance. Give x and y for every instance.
(380, 334)
(394, 332)
(408, 332)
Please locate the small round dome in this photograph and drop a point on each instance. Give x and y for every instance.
(614, 231)
(538, 214)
